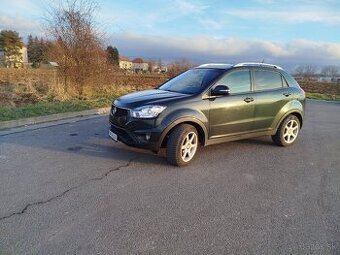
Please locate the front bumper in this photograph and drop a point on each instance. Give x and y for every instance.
(149, 139)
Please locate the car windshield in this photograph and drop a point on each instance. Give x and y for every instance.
(191, 81)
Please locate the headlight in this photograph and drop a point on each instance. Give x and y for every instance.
(147, 112)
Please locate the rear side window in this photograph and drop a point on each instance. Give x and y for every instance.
(267, 80)
(291, 81)
(237, 81)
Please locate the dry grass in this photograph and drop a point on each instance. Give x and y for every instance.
(321, 87)
(19, 87)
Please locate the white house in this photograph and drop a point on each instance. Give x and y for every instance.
(139, 65)
(125, 63)
(16, 61)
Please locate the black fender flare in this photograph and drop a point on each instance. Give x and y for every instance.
(189, 120)
(291, 112)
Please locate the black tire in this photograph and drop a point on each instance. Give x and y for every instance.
(282, 135)
(175, 142)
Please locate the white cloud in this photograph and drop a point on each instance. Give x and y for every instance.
(296, 2)
(264, 1)
(206, 49)
(211, 24)
(151, 21)
(20, 24)
(186, 7)
(292, 16)
(21, 4)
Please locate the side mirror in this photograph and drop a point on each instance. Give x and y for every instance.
(220, 90)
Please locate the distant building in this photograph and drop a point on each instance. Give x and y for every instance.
(125, 63)
(139, 65)
(318, 78)
(329, 79)
(164, 69)
(325, 79)
(155, 69)
(15, 61)
(24, 55)
(49, 65)
(159, 69)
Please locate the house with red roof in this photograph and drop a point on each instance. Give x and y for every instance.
(139, 65)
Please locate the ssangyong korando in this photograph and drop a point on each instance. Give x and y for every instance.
(210, 104)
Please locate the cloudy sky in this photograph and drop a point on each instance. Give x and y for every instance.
(284, 32)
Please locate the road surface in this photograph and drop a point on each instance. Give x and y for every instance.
(69, 189)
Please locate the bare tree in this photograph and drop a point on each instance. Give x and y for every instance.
(179, 67)
(151, 66)
(299, 70)
(332, 71)
(77, 46)
(160, 63)
(306, 71)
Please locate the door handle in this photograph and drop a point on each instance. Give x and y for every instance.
(248, 99)
(287, 94)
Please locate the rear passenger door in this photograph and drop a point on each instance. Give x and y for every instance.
(271, 94)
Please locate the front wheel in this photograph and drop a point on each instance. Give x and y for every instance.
(288, 131)
(182, 145)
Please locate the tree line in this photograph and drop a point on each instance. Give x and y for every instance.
(309, 71)
(39, 50)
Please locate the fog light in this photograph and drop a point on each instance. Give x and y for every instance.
(147, 137)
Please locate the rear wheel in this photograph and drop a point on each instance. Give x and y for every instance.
(182, 145)
(288, 131)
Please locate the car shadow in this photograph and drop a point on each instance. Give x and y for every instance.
(121, 151)
(95, 142)
(257, 141)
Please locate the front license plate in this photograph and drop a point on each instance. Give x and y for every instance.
(113, 136)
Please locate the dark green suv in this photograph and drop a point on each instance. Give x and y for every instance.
(210, 104)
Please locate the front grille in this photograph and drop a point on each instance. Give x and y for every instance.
(119, 116)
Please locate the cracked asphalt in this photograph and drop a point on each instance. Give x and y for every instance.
(69, 189)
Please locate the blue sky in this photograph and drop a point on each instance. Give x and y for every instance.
(285, 32)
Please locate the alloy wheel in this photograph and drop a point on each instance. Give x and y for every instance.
(291, 131)
(189, 146)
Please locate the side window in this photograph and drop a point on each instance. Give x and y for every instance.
(291, 81)
(267, 80)
(284, 81)
(237, 81)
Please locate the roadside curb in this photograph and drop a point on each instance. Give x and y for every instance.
(53, 117)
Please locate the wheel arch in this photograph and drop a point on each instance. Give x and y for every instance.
(200, 127)
(299, 116)
(296, 113)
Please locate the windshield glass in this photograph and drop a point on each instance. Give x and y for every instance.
(192, 81)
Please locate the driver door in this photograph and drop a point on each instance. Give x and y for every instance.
(233, 114)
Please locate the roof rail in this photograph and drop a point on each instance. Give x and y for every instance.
(215, 64)
(258, 64)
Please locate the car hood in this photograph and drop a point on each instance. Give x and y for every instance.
(147, 97)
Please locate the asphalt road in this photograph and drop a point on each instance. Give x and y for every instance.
(69, 189)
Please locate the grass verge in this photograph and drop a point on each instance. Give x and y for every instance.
(322, 96)
(46, 108)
